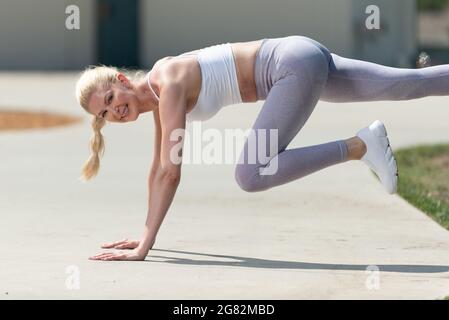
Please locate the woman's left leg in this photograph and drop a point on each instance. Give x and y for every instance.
(352, 80)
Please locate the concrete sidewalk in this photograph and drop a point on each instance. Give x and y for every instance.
(312, 238)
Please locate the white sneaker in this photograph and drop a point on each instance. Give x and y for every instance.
(379, 155)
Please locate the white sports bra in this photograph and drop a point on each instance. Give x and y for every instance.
(219, 84)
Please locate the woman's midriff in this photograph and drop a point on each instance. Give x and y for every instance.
(245, 57)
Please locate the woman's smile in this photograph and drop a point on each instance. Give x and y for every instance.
(124, 111)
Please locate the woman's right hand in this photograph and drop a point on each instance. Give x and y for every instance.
(122, 244)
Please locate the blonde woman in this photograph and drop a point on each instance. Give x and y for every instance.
(290, 73)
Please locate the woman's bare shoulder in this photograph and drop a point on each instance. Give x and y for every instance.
(178, 70)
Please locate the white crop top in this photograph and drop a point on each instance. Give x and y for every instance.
(219, 84)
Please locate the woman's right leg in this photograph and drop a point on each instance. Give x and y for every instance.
(290, 75)
(351, 80)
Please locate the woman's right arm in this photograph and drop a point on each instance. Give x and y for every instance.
(166, 177)
(154, 172)
(156, 164)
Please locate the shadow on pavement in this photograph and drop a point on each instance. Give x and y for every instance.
(246, 262)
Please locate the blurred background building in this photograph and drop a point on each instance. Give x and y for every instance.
(433, 29)
(135, 33)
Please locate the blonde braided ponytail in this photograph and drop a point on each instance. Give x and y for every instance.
(92, 165)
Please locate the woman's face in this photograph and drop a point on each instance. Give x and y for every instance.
(119, 103)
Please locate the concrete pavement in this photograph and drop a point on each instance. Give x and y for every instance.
(311, 239)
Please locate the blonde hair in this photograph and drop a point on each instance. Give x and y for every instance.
(92, 165)
(93, 78)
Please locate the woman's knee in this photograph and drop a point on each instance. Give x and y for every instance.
(247, 179)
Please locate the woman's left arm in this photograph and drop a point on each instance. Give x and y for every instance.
(172, 106)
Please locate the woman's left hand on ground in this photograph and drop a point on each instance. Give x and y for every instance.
(122, 244)
(132, 255)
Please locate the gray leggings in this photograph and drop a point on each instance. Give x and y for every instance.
(292, 73)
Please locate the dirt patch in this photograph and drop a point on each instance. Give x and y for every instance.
(21, 120)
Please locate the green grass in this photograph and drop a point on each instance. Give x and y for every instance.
(424, 179)
(424, 5)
